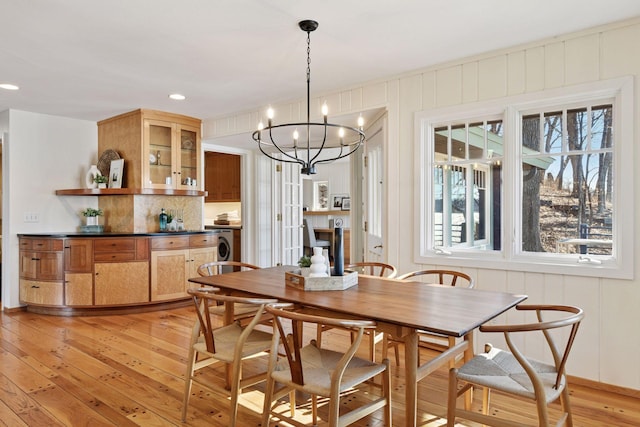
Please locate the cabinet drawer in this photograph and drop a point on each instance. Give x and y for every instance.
(114, 256)
(169, 242)
(41, 244)
(203, 240)
(113, 245)
(44, 293)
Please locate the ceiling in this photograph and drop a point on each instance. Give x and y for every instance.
(92, 59)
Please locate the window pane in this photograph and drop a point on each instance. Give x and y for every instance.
(567, 199)
(467, 185)
(553, 132)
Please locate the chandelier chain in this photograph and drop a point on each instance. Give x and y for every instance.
(308, 57)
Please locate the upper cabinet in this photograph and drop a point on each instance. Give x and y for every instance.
(161, 150)
(222, 177)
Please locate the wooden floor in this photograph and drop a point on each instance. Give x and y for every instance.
(128, 370)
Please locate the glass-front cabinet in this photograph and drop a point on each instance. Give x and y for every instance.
(171, 155)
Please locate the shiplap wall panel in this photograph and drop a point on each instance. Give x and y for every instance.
(428, 90)
(374, 96)
(449, 86)
(534, 67)
(516, 73)
(618, 303)
(582, 61)
(617, 61)
(492, 77)
(554, 65)
(470, 82)
(585, 293)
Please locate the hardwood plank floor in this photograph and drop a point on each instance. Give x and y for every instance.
(128, 370)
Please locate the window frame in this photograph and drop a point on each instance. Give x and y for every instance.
(510, 110)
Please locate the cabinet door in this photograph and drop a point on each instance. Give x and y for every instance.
(159, 158)
(78, 255)
(28, 265)
(122, 283)
(169, 273)
(188, 150)
(78, 289)
(197, 257)
(222, 177)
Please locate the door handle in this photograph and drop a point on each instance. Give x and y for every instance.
(377, 247)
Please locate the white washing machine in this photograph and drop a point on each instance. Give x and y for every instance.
(225, 248)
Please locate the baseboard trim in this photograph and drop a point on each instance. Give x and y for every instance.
(596, 385)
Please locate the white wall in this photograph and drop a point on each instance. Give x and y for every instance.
(608, 343)
(42, 154)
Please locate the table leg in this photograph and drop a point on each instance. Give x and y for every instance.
(411, 377)
(229, 315)
(468, 355)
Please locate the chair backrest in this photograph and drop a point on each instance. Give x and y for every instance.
(374, 269)
(293, 343)
(560, 355)
(308, 234)
(205, 298)
(442, 277)
(213, 268)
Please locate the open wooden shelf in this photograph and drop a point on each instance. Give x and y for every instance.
(129, 191)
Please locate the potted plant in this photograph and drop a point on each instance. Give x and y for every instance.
(101, 180)
(91, 215)
(305, 265)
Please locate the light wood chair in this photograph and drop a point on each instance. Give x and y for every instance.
(429, 340)
(321, 372)
(369, 268)
(240, 311)
(214, 343)
(512, 373)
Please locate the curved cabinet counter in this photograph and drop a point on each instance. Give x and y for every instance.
(108, 273)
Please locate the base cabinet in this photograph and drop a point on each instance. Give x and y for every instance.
(122, 283)
(174, 260)
(78, 273)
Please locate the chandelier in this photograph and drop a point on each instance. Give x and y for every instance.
(324, 143)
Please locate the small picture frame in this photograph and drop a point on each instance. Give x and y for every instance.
(115, 173)
(346, 203)
(336, 201)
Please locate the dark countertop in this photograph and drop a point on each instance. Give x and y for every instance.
(81, 234)
(222, 227)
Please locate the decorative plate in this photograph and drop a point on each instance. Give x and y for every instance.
(152, 159)
(104, 163)
(187, 144)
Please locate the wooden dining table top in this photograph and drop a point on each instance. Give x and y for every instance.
(446, 310)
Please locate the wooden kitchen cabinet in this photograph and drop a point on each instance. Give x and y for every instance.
(155, 146)
(78, 272)
(85, 274)
(41, 271)
(222, 177)
(174, 260)
(121, 270)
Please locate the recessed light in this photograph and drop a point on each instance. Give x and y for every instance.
(177, 97)
(8, 86)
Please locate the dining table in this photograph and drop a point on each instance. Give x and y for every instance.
(400, 308)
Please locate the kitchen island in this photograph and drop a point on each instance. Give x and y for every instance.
(107, 273)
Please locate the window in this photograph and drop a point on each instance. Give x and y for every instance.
(534, 183)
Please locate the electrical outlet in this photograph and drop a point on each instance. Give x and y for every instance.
(31, 217)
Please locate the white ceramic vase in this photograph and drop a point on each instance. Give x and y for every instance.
(318, 266)
(92, 220)
(90, 178)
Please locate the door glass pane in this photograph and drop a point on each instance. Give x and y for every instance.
(188, 156)
(159, 154)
